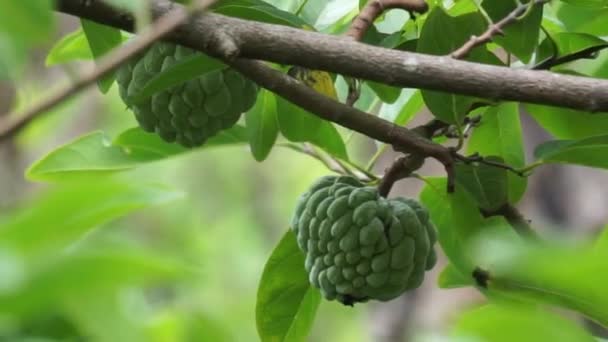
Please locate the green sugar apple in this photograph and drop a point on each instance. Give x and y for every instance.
(359, 245)
(191, 112)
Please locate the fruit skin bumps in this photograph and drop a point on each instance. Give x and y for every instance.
(191, 112)
(360, 246)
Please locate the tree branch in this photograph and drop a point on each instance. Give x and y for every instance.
(495, 29)
(313, 50)
(161, 27)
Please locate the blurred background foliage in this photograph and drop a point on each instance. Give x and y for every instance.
(173, 250)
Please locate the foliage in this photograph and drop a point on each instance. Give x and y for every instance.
(72, 252)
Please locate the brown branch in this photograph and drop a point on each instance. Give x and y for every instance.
(405, 166)
(164, 25)
(515, 219)
(476, 158)
(313, 50)
(374, 8)
(494, 29)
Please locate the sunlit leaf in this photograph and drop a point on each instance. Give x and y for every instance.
(101, 39)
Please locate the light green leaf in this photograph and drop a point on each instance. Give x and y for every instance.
(568, 43)
(73, 46)
(101, 40)
(286, 302)
(507, 323)
(588, 152)
(499, 134)
(451, 278)
(558, 121)
(262, 125)
(583, 19)
(93, 154)
(588, 3)
(85, 275)
(183, 70)
(386, 93)
(569, 277)
(28, 21)
(65, 214)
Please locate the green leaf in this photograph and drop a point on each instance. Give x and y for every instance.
(74, 278)
(583, 19)
(386, 93)
(65, 214)
(441, 35)
(486, 183)
(73, 46)
(456, 218)
(499, 134)
(506, 323)
(183, 70)
(588, 152)
(258, 10)
(569, 43)
(286, 302)
(521, 37)
(451, 278)
(588, 3)
(101, 40)
(558, 121)
(28, 21)
(404, 109)
(298, 125)
(93, 154)
(262, 125)
(569, 277)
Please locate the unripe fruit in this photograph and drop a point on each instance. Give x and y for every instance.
(360, 246)
(188, 113)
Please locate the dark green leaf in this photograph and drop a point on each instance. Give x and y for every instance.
(286, 302)
(298, 125)
(588, 152)
(499, 134)
(178, 73)
(507, 323)
(441, 35)
(386, 93)
(457, 220)
(71, 47)
(521, 36)
(258, 10)
(486, 183)
(101, 40)
(262, 125)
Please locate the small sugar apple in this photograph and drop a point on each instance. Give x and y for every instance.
(360, 246)
(190, 112)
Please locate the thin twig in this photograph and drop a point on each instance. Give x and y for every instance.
(106, 65)
(476, 158)
(495, 29)
(365, 19)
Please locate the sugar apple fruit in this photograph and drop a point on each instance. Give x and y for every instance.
(191, 112)
(360, 246)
